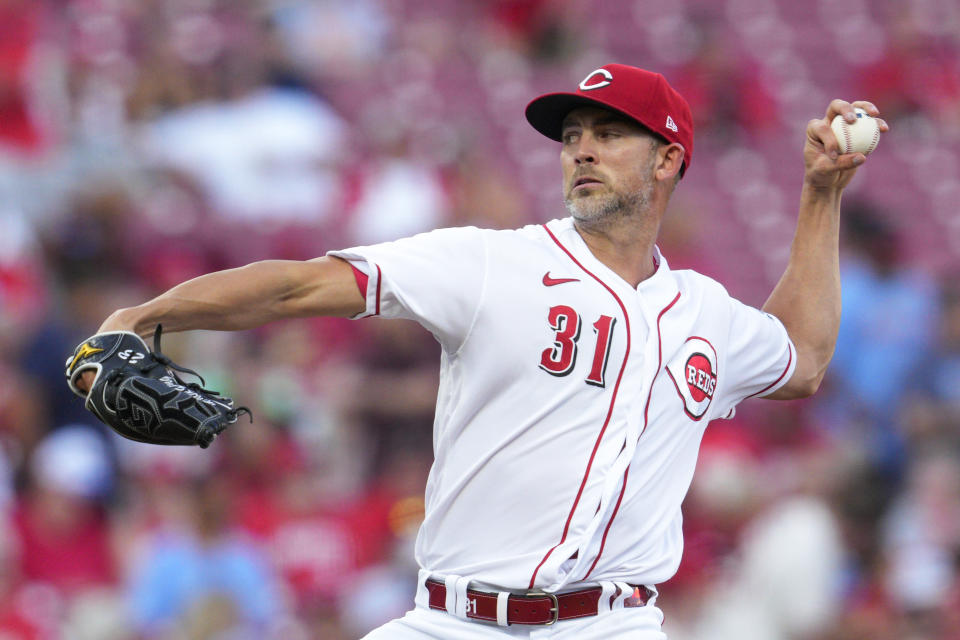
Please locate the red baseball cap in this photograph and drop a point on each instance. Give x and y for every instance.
(641, 95)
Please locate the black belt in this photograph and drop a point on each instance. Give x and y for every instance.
(535, 608)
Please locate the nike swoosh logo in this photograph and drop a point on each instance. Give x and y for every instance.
(552, 282)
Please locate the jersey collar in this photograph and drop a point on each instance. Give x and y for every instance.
(657, 290)
(660, 288)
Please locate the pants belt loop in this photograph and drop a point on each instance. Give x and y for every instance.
(422, 598)
(625, 591)
(603, 606)
(503, 599)
(463, 603)
(451, 583)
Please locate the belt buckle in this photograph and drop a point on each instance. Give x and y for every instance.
(555, 609)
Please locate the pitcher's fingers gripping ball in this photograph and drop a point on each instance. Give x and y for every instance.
(860, 136)
(137, 393)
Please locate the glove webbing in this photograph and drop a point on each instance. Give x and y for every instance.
(173, 367)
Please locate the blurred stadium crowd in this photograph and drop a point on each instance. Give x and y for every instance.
(145, 142)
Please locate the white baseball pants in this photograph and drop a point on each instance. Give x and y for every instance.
(423, 623)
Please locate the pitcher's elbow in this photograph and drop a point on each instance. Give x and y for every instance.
(810, 372)
(811, 383)
(810, 386)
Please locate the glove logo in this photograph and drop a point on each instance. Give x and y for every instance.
(694, 373)
(84, 351)
(131, 356)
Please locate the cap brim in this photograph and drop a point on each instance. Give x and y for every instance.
(547, 112)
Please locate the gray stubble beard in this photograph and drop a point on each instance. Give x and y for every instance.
(615, 206)
(610, 210)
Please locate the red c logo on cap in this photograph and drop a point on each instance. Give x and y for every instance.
(585, 86)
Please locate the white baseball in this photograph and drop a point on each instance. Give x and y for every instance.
(860, 137)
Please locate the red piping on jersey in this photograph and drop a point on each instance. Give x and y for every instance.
(787, 368)
(362, 280)
(613, 399)
(603, 540)
(379, 280)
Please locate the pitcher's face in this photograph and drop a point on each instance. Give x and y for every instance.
(607, 162)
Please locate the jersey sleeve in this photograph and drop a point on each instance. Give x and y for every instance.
(760, 357)
(435, 278)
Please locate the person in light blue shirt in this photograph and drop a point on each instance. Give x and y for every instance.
(888, 325)
(203, 575)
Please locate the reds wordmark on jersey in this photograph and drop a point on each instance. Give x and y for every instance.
(571, 404)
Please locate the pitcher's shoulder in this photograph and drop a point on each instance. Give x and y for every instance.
(696, 283)
(539, 233)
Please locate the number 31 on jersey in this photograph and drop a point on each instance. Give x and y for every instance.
(561, 358)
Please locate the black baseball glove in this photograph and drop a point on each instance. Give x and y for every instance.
(138, 393)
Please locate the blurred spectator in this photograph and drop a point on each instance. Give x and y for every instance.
(397, 188)
(268, 157)
(544, 30)
(781, 584)
(933, 411)
(484, 194)
(21, 127)
(727, 93)
(399, 493)
(15, 619)
(887, 328)
(922, 542)
(317, 538)
(763, 557)
(330, 39)
(397, 198)
(861, 498)
(61, 521)
(919, 72)
(197, 578)
(925, 522)
(89, 267)
(23, 412)
(394, 394)
(93, 238)
(23, 296)
(20, 618)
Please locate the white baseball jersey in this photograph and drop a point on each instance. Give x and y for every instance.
(571, 405)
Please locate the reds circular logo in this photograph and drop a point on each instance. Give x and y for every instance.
(700, 378)
(694, 373)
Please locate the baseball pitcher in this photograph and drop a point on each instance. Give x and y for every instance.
(578, 371)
